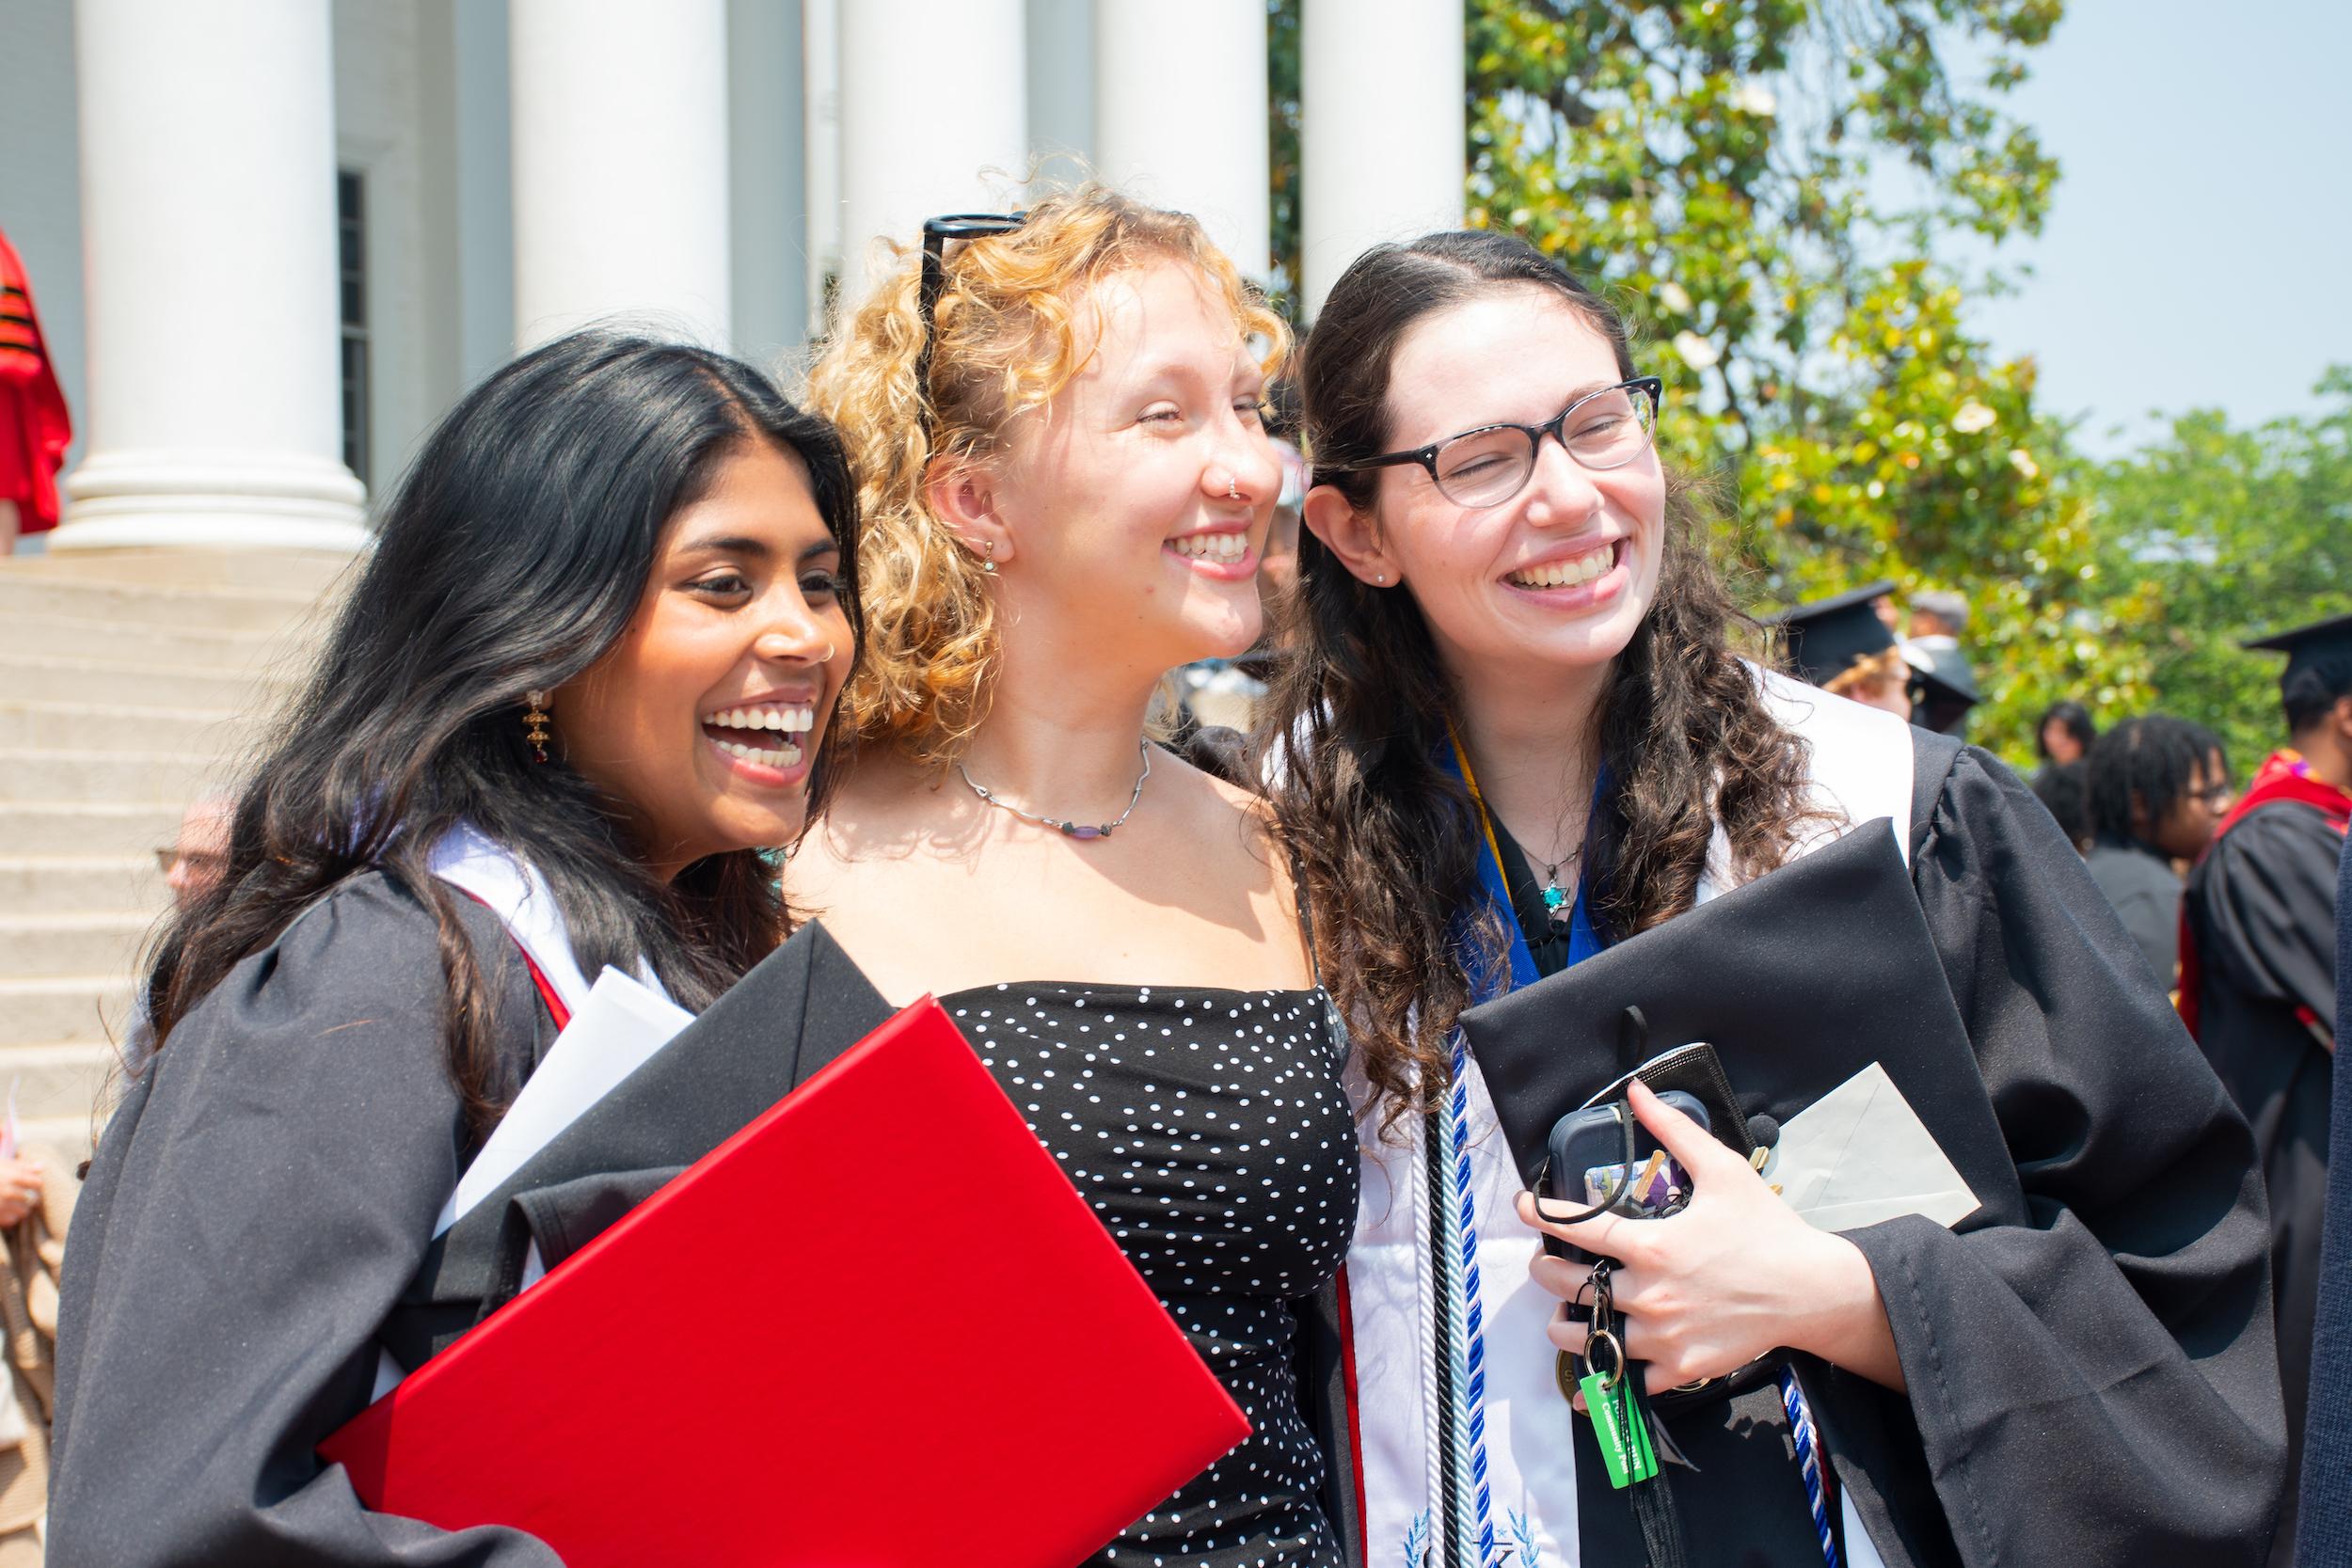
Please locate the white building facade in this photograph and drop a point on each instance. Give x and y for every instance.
(272, 239)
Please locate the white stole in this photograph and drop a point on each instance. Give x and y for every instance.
(1861, 769)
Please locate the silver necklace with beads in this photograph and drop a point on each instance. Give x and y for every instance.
(1069, 830)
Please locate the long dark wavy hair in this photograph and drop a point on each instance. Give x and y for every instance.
(1386, 837)
(513, 554)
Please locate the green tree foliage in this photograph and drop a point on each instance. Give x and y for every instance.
(2215, 535)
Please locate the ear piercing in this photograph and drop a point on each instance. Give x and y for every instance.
(535, 722)
(987, 559)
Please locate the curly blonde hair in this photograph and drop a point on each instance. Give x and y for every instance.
(1011, 331)
(1867, 673)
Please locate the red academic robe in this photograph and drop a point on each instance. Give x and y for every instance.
(35, 428)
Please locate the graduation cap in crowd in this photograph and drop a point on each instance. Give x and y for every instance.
(1827, 636)
(2325, 646)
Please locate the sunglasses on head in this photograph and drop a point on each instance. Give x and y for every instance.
(937, 233)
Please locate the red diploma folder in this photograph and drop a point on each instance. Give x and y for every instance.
(877, 1327)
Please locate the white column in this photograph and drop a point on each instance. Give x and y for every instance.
(1180, 114)
(820, 146)
(1381, 131)
(620, 138)
(934, 119)
(208, 226)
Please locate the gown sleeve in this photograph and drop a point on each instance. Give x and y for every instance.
(2267, 895)
(261, 1201)
(2096, 1386)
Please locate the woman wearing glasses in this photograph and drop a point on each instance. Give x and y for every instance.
(1515, 734)
(1067, 489)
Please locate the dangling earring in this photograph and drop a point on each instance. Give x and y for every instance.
(535, 722)
(988, 559)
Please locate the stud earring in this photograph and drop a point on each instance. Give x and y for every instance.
(535, 722)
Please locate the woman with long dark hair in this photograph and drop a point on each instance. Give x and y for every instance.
(1517, 733)
(575, 691)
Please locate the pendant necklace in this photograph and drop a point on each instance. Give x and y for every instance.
(1556, 906)
(1070, 830)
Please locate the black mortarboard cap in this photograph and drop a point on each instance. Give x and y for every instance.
(1827, 636)
(2322, 643)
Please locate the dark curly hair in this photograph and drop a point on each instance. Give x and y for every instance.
(2147, 762)
(1387, 840)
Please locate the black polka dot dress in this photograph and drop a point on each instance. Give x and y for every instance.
(1211, 1133)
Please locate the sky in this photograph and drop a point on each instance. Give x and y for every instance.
(2199, 253)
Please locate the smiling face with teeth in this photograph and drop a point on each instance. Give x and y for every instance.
(1548, 583)
(703, 721)
(1128, 514)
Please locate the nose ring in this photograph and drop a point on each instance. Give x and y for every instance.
(828, 658)
(1232, 488)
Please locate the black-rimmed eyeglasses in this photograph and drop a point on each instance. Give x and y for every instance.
(1603, 429)
(937, 233)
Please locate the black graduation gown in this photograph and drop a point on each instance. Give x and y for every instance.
(2092, 1377)
(2262, 919)
(255, 1207)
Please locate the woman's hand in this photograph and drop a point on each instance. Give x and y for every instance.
(1736, 1274)
(20, 1189)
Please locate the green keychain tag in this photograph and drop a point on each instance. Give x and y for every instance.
(1618, 1428)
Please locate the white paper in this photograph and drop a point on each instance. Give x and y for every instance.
(614, 1030)
(1860, 1154)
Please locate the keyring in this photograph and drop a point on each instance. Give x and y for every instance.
(1609, 1379)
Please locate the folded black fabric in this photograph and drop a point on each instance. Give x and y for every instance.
(798, 1009)
(1800, 980)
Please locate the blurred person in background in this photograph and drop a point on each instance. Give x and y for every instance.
(33, 426)
(1937, 621)
(2065, 734)
(2258, 982)
(192, 861)
(2063, 784)
(2158, 789)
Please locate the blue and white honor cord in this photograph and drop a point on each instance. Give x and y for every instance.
(1473, 1311)
(1809, 1461)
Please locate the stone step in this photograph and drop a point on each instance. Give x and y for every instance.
(310, 572)
(193, 647)
(59, 1084)
(48, 827)
(73, 1009)
(141, 683)
(66, 1141)
(152, 778)
(41, 944)
(37, 885)
(126, 604)
(32, 724)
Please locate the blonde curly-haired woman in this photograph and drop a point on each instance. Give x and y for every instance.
(1067, 487)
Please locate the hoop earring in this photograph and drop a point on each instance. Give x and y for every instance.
(535, 722)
